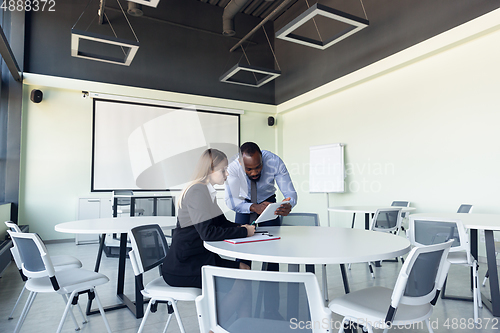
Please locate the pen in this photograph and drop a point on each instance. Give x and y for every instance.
(252, 223)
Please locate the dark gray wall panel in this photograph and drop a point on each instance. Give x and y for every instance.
(394, 26)
(170, 58)
(10, 112)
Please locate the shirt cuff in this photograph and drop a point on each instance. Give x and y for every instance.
(245, 208)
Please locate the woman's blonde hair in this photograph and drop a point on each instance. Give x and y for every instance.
(207, 163)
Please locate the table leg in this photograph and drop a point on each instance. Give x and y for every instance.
(344, 279)
(292, 294)
(473, 252)
(96, 269)
(353, 219)
(494, 304)
(325, 283)
(121, 264)
(99, 253)
(367, 227)
(137, 306)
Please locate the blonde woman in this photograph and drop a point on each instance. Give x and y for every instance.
(200, 219)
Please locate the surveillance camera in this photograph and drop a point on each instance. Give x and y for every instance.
(85, 94)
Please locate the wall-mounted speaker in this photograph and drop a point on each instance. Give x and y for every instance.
(271, 121)
(36, 96)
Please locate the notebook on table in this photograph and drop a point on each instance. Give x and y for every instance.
(252, 239)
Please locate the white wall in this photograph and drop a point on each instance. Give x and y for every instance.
(57, 145)
(426, 132)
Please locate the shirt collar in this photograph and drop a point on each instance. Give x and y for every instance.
(212, 191)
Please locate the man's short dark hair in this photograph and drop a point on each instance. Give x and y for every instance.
(250, 148)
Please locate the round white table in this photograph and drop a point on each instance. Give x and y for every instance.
(367, 210)
(117, 225)
(316, 245)
(475, 222)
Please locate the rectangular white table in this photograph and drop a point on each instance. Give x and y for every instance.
(120, 225)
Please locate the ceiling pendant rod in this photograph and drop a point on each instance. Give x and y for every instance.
(267, 18)
(362, 5)
(249, 64)
(271, 47)
(88, 3)
(101, 11)
(314, 21)
(126, 18)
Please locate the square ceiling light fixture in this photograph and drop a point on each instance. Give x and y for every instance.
(103, 48)
(351, 24)
(150, 3)
(249, 75)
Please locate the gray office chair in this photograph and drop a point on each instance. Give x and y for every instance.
(400, 204)
(60, 263)
(43, 278)
(464, 208)
(226, 302)
(385, 220)
(122, 204)
(301, 219)
(149, 249)
(412, 299)
(404, 215)
(307, 219)
(429, 231)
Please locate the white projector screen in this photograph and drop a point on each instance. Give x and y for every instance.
(154, 148)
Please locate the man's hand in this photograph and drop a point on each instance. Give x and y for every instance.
(259, 208)
(250, 229)
(284, 209)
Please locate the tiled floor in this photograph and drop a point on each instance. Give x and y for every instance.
(47, 308)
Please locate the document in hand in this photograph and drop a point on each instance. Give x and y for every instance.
(251, 239)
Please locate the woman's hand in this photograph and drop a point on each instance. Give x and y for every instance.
(250, 229)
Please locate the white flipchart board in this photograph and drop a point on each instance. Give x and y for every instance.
(326, 171)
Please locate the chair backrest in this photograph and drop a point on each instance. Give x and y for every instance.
(387, 220)
(420, 278)
(123, 201)
(464, 208)
(400, 204)
(433, 230)
(217, 314)
(35, 259)
(302, 219)
(14, 250)
(149, 247)
(12, 226)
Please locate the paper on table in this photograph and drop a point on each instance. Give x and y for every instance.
(251, 239)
